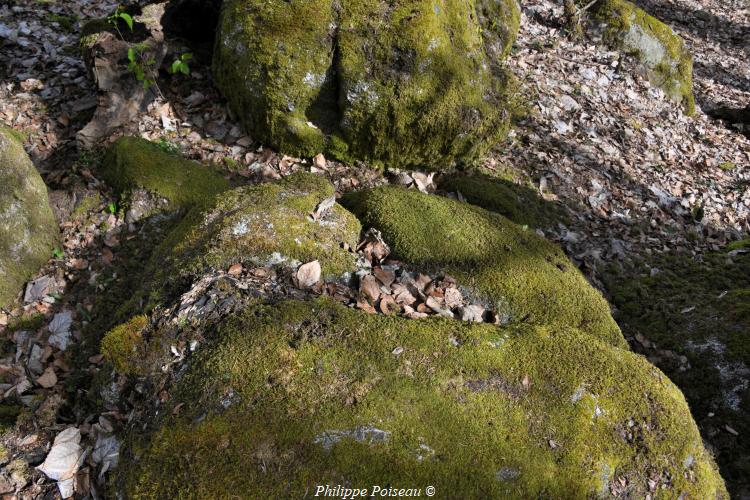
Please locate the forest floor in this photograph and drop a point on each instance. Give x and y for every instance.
(638, 178)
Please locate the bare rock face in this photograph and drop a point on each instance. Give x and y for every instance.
(122, 97)
(660, 51)
(28, 232)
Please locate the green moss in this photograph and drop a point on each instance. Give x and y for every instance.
(523, 275)
(133, 163)
(31, 322)
(727, 166)
(739, 244)
(698, 308)
(90, 203)
(655, 45)
(267, 224)
(401, 83)
(122, 346)
(28, 231)
(315, 396)
(518, 203)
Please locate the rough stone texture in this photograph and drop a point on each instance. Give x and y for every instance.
(266, 224)
(121, 97)
(408, 83)
(662, 53)
(297, 394)
(28, 232)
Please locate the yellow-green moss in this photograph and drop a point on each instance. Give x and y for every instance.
(655, 45)
(699, 308)
(133, 163)
(264, 225)
(518, 203)
(123, 344)
(475, 411)
(414, 83)
(523, 275)
(28, 231)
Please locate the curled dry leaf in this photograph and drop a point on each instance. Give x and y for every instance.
(369, 288)
(308, 274)
(323, 208)
(64, 459)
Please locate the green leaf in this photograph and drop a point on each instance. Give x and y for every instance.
(128, 20)
(186, 56)
(131, 54)
(184, 69)
(58, 253)
(175, 67)
(112, 208)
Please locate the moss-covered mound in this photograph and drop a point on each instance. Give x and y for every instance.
(662, 52)
(297, 395)
(527, 278)
(134, 163)
(406, 83)
(28, 232)
(518, 203)
(699, 309)
(265, 224)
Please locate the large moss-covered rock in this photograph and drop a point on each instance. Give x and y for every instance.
(265, 224)
(406, 83)
(28, 232)
(296, 395)
(133, 163)
(519, 203)
(692, 316)
(525, 277)
(661, 52)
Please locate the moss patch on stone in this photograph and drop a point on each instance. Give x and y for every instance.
(123, 344)
(28, 231)
(133, 163)
(698, 308)
(526, 278)
(301, 394)
(518, 203)
(662, 52)
(405, 84)
(266, 224)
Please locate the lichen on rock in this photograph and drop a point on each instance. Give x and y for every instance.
(28, 231)
(133, 163)
(399, 83)
(661, 52)
(297, 394)
(266, 224)
(527, 278)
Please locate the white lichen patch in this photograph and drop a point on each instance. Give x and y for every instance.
(364, 434)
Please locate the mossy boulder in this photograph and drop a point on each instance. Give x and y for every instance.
(28, 231)
(123, 345)
(525, 277)
(296, 395)
(266, 224)
(133, 163)
(519, 203)
(404, 83)
(661, 52)
(693, 315)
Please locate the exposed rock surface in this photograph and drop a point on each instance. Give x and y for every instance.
(28, 231)
(403, 83)
(661, 52)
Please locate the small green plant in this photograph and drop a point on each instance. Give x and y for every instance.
(58, 253)
(141, 65)
(112, 207)
(180, 65)
(168, 146)
(140, 61)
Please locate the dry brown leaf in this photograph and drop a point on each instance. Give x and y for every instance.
(308, 274)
